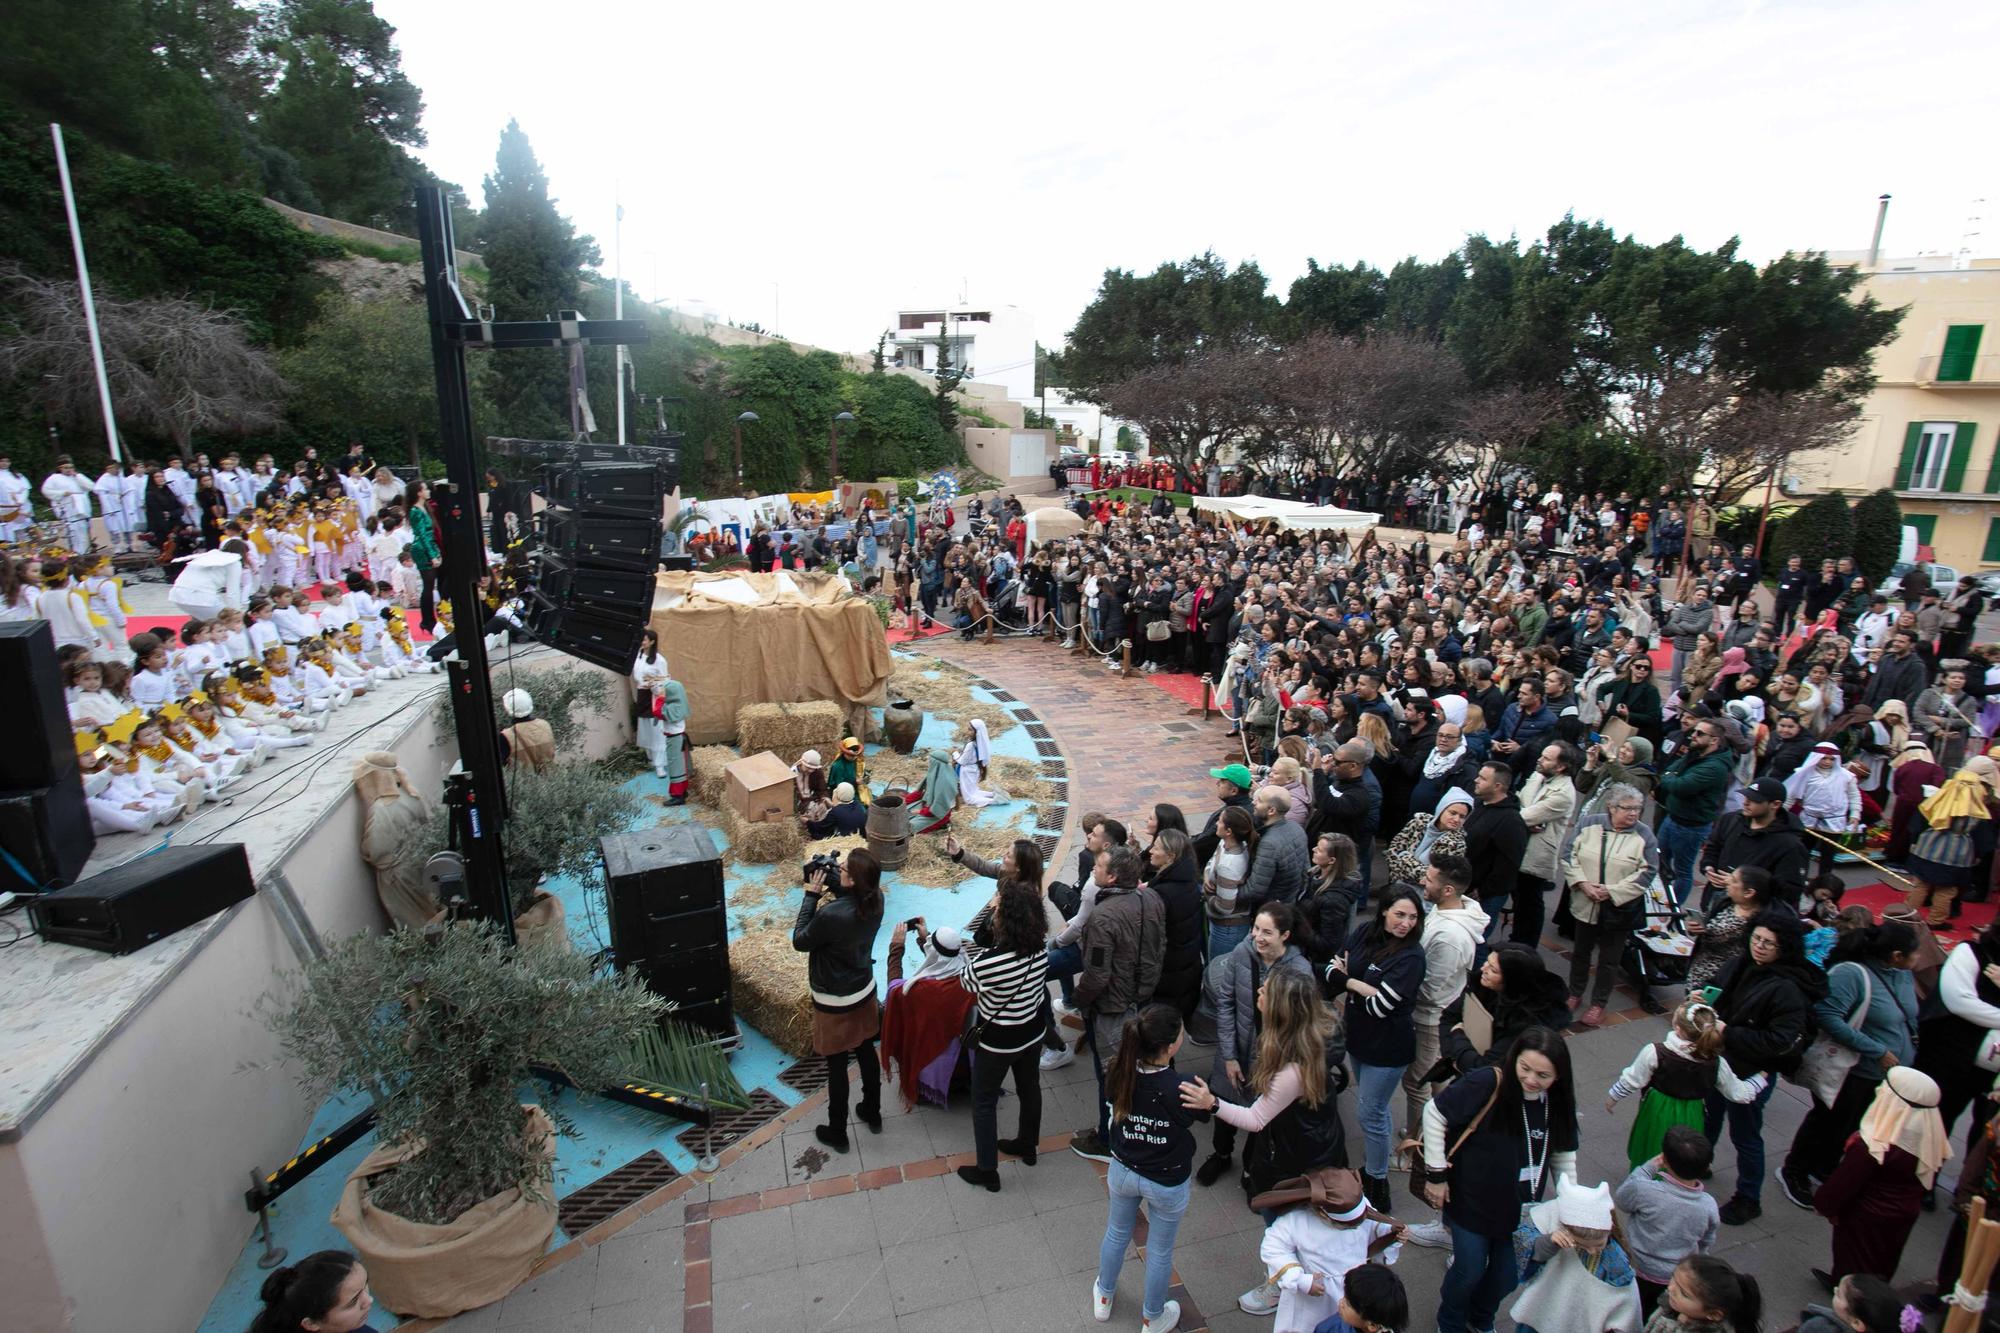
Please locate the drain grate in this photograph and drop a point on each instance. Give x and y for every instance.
(1047, 843)
(1038, 730)
(612, 1194)
(1049, 748)
(1182, 728)
(733, 1125)
(1002, 696)
(804, 1077)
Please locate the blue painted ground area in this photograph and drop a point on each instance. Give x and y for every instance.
(610, 1134)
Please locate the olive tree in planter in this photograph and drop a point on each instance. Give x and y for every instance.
(442, 1028)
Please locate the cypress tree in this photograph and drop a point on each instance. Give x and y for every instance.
(1821, 530)
(1878, 533)
(535, 259)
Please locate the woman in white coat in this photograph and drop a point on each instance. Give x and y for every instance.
(649, 674)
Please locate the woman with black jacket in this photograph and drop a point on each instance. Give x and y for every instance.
(836, 930)
(1765, 1003)
(1381, 974)
(1518, 992)
(1178, 884)
(1333, 890)
(1493, 1141)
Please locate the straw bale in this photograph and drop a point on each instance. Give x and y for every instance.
(789, 730)
(770, 843)
(769, 987)
(706, 780)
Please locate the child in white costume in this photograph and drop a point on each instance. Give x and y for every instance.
(1310, 1248)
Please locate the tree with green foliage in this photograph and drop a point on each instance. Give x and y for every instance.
(794, 396)
(944, 383)
(896, 431)
(1878, 533)
(1136, 323)
(1340, 301)
(1823, 527)
(363, 371)
(535, 259)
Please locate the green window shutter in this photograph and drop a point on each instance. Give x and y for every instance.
(1925, 524)
(1961, 349)
(1912, 437)
(1992, 553)
(1961, 450)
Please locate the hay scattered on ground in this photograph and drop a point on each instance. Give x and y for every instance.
(706, 780)
(841, 846)
(948, 695)
(930, 867)
(789, 730)
(769, 986)
(1023, 780)
(759, 889)
(769, 843)
(906, 771)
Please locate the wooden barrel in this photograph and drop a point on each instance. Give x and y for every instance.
(888, 829)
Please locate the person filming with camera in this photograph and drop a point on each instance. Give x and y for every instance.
(838, 921)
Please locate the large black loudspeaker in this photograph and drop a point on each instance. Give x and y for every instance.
(615, 542)
(608, 643)
(605, 489)
(146, 899)
(668, 920)
(48, 831)
(38, 752)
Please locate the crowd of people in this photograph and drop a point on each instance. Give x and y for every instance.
(1442, 752)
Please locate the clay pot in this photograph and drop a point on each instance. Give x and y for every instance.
(901, 721)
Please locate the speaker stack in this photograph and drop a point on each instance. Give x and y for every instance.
(591, 583)
(668, 921)
(44, 822)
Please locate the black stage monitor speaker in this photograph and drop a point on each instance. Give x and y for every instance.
(668, 919)
(48, 831)
(684, 563)
(39, 751)
(146, 899)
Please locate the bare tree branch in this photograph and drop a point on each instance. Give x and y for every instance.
(176, 367)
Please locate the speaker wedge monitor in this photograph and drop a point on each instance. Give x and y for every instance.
(146, 898)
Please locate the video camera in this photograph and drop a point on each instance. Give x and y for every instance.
(827, 861)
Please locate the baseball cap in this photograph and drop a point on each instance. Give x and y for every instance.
(1765, 789)
(1235, 773)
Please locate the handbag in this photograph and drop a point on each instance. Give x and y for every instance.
(1158, 631)
(1417, 1168)
(1826, 1063)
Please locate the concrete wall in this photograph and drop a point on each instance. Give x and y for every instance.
(993, 451)
(121, 1207)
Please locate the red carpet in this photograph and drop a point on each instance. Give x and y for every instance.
(906, 636)
(1186, 687)
(1877, 895)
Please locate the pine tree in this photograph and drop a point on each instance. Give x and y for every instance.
(1823, 529)
(1878, 533)
(948, 380)
(535, 259)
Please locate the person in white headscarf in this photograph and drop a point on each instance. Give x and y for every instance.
(1875, 1196)
(972, 764)
(925, 1014)
(1826, 798)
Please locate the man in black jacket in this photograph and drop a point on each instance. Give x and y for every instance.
(1901, 674)
(1791, 593)
(1496, 839)
(1763, 833)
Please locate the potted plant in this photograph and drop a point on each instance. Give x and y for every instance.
(442, 1028)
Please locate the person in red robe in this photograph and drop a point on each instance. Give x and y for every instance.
(1874, 1197)
(1910, 772)
(1017, 536)
(1096, 474)
(925, 1016)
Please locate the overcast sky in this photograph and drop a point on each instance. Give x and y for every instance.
(818, 167)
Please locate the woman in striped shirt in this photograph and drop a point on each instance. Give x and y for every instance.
(1007, 971)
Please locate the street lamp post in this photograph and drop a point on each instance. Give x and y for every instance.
(833, 447)
(741, 417)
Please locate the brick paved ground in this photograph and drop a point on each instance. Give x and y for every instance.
(789, 1237)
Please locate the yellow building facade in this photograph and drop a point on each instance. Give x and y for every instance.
(1931, 429)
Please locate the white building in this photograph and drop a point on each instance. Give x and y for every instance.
(1091, 423)
(989, 343)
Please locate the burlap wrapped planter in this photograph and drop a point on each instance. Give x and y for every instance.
(434, 1271)
(542, 924)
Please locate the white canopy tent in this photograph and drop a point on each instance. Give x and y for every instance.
(1293, 514)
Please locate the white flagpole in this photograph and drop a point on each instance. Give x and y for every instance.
(89, 305)
(618, 305)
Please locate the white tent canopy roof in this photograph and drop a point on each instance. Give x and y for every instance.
(1292, 514)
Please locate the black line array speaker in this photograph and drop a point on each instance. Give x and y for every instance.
(44, 820)
(145, 899)
(668, 920)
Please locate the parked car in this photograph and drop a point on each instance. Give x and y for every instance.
(1989, 582)
(1943, 577)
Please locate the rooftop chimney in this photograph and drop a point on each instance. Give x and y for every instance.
(1881, 219)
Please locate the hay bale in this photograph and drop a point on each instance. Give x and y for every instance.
(769, 843)
(769, 987)
(789, 730)
(706, 780)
